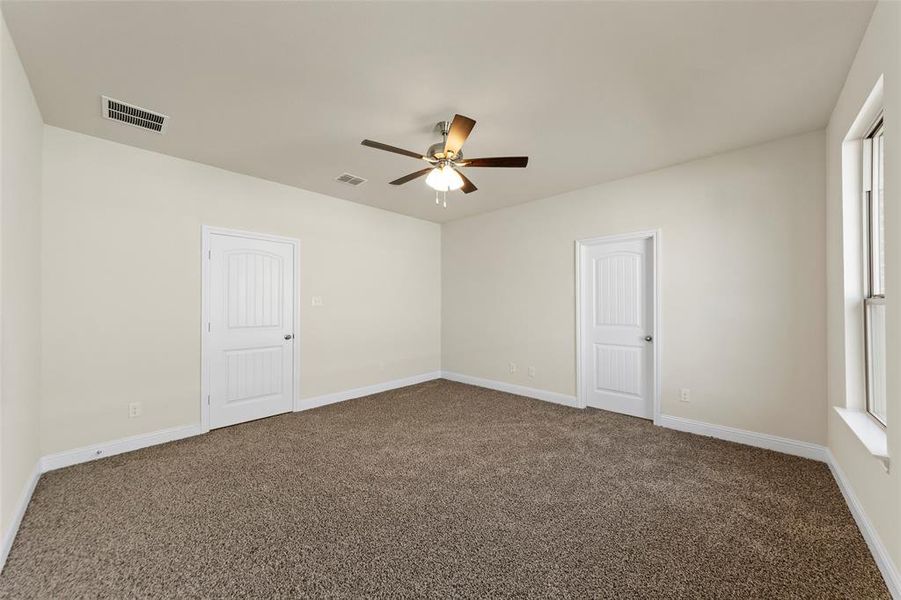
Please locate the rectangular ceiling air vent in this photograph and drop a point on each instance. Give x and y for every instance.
(350, 179)
(116, 110)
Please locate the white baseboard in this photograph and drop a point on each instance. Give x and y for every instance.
(806, 450)
(512, 388)
(10, 534)
(135, 442)
(748, 438)
(883, 560)
(368, 390)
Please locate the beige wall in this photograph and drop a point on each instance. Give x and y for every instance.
(743, 271)
(21, 130)
(122, 235)
(742, 284)
(879, 492)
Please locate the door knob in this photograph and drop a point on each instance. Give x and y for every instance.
(649, 338)
(289, 336)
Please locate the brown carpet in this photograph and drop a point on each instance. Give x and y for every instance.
(442, 490)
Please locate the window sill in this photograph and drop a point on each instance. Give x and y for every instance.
(870, 433)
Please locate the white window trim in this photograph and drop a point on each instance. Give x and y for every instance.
(869, 431)
(854, 414)
(873, 294)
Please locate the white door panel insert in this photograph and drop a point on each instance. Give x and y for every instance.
(618, 370)
(254, 293)
(616, 320)
(617, 289)
(249, 343)
(252, 373)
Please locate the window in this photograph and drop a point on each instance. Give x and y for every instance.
(874, 297)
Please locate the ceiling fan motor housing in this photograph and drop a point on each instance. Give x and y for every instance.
(445, 157)
(438, 149)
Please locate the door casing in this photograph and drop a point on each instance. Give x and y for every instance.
(206, 232)
(580, 245)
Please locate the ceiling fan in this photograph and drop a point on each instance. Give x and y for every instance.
(446, 158)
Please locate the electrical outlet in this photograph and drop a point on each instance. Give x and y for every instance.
(531, 371)
(685, 395)
(317, 300)
(134, 410)
(513, 367)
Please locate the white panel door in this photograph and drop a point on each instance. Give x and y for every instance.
(617, 326)
(250, 341)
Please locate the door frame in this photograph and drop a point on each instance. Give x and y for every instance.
(206, 232)
(580, 245)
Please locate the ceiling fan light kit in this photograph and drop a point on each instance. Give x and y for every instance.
(444, 179)
(446, 159)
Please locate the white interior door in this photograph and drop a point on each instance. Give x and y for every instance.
(250, 340)
(617, 320)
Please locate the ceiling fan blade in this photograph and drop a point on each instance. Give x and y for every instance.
(500, 161)
(410, 177)
(387, 148)
(457, 134)
(468, 186)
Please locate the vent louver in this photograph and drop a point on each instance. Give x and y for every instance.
(350, 179)
(116, 110)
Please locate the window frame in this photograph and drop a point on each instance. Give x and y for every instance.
(874, 294)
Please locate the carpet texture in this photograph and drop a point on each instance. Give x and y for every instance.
(442, 490)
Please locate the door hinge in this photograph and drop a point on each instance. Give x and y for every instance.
(207, 398)
(209, 254)
(208, 327)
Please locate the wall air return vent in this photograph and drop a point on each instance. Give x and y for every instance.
(350, 179)
(116, 110)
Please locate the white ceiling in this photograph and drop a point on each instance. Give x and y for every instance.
(589, 91)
